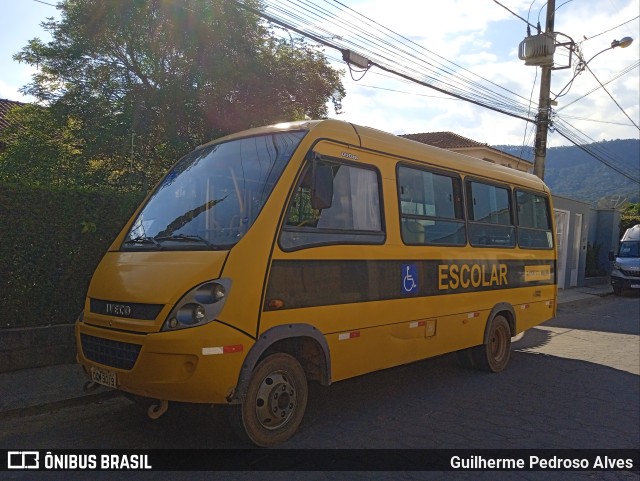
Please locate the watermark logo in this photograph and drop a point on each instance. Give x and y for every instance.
(23, 460)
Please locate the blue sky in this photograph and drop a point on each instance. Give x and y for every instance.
(478, 35)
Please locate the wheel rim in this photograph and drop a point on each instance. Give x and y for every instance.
(276, 400)
(499, 344)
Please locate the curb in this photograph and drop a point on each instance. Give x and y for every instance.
(588, 300)
(55, 405)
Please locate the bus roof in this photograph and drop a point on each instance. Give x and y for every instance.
(400, 147)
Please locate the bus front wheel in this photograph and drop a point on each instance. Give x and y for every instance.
(274, 404)
(493, 356)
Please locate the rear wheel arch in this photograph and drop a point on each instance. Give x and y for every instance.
(507, 311)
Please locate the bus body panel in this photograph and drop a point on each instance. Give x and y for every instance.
(351, 293)
(152, 278)
(185, 365)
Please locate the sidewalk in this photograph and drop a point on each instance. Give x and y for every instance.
(38, 390)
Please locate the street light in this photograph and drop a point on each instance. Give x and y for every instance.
(624, 43)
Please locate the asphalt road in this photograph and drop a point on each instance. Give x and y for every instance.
(571, 383)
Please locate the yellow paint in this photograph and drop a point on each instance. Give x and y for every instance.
(175, 365)
(454, 276)
(537, 273)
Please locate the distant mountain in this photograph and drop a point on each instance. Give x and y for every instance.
(571, 172)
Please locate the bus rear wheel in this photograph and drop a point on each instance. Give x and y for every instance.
(493, 356)
(275, 402)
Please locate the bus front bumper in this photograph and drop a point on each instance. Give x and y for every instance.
(182, 365)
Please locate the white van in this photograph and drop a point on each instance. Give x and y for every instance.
(625, 273)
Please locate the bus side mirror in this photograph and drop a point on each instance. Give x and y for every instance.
(322, 189)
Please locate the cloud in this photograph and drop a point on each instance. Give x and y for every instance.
(13, 81)
(483, 38)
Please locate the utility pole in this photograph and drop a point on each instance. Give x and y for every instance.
(544, 103)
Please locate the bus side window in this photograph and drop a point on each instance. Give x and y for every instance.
(431, 211)
(490, 216)
(534, 221)
(353, 216)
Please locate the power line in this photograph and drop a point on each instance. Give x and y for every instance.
(611, 96)
(345, 30)
(594, 120)
(596, 156)
(392, 52)
(590, 146)
(436, 71)
(606, 31)
(530, 102)
(495, 109)
(615, 77)
(515, 14)
(404, 92)
(422, 48)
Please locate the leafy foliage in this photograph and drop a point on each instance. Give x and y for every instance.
(630, 217)
(41, 149)
(138, 83)
(51, 240)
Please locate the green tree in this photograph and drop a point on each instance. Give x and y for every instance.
(148, 80)
(630, 216)
(41, 149)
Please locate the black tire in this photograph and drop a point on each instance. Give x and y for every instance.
(494, 355)
(274, 404)
(617, 290)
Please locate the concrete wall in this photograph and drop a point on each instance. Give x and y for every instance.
(599, 228)
(576, 240)
(607, 235)
(27, 347)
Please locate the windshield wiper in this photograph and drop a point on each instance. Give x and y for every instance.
(144, 240)
(187, 238)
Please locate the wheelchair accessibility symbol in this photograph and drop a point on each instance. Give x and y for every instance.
(409, 278)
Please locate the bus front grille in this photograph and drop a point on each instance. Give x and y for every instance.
(121, 355)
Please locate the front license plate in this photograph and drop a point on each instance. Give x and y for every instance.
(635, 286)
(104, 377)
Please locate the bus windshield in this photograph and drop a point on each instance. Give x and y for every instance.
(213, 195)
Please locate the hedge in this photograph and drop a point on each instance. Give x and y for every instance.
(51, 240)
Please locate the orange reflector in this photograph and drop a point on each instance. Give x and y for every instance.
(232, 349)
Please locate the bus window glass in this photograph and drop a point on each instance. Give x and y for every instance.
(212, 195)
(430, 207)
(353, 217)
(490, 219)
(534, 222)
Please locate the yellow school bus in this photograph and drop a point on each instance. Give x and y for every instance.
(314, 251)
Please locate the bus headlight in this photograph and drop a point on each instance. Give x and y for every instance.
(191, 314)
(200, 305)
